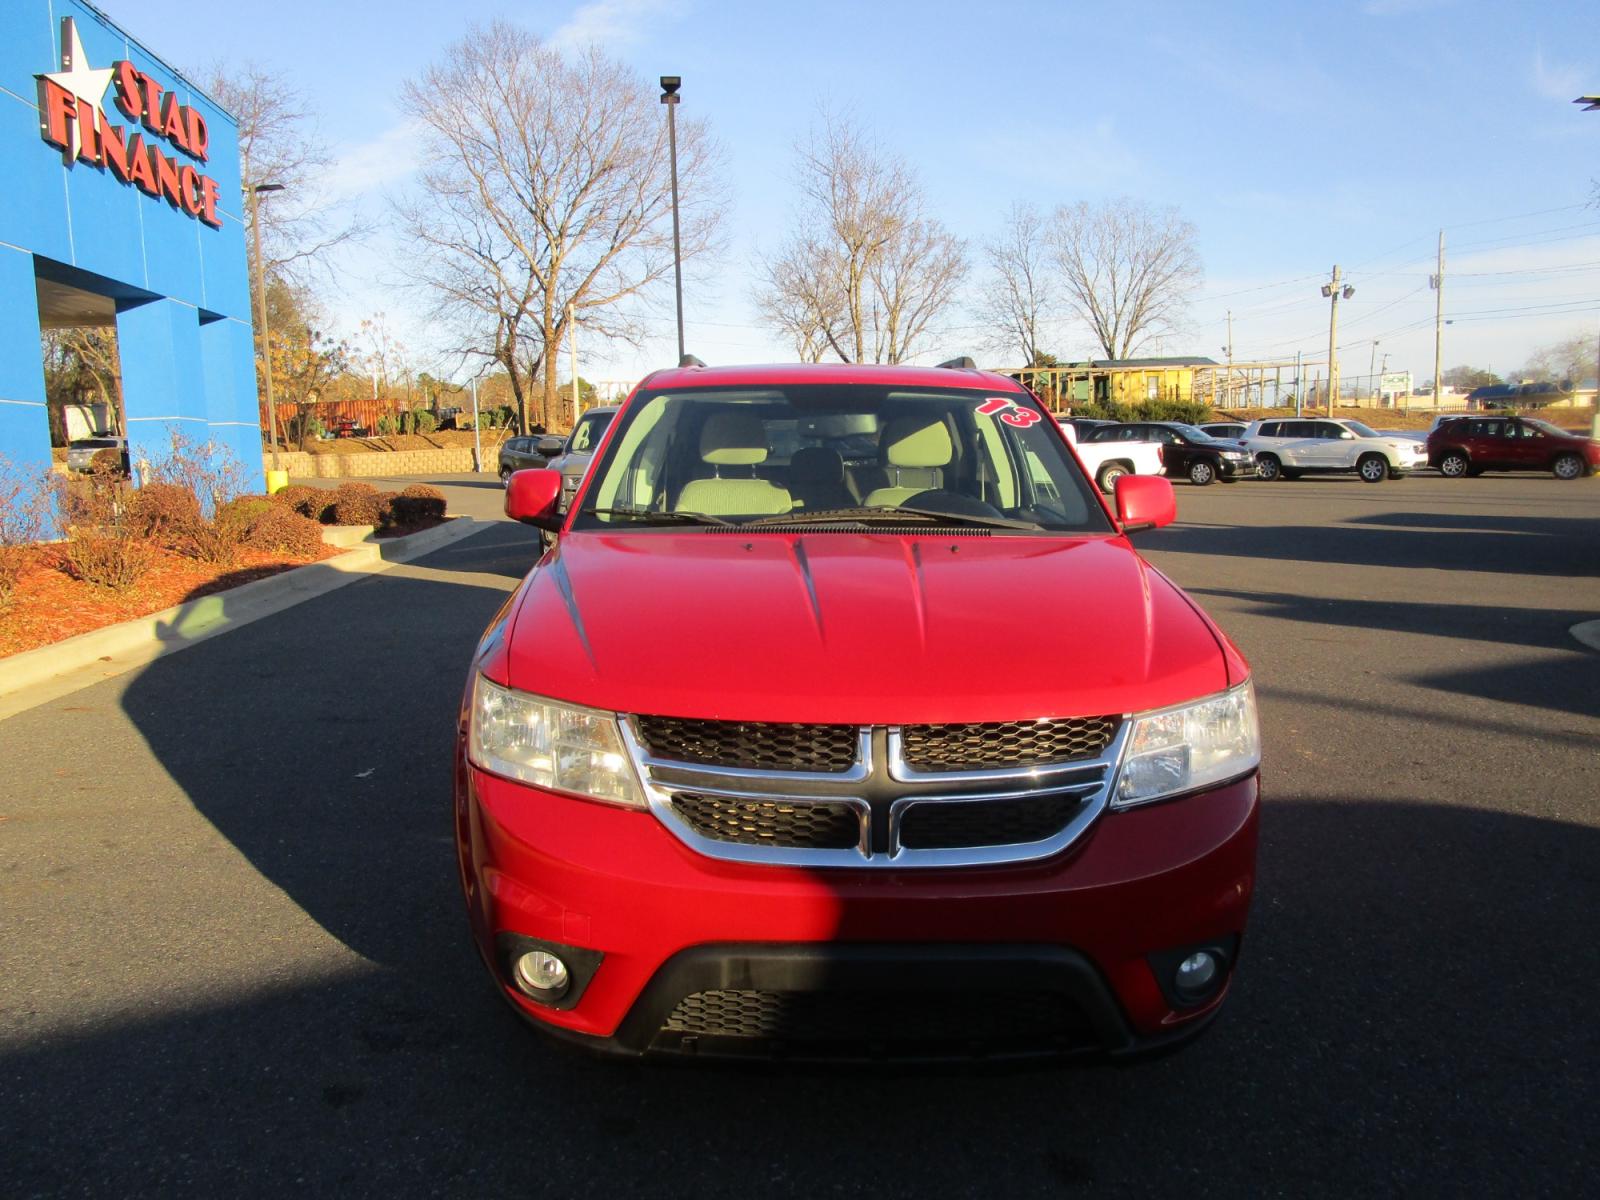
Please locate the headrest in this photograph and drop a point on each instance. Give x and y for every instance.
(916, 442)
(816, 464)
(733, 440)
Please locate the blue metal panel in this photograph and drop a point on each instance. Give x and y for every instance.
(24, 425)
(163, 379)
(228, 352)
(33, 214)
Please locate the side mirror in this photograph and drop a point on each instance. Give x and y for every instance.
(534, 498)
(1346, 436)
(1143, 502)
(550, 444)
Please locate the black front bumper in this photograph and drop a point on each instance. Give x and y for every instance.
(925, 1002)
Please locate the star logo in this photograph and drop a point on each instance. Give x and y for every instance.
(78, 79)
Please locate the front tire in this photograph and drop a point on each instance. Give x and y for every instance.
(1373, 468)
(1454, 465)
(1109, 474)
(1201, 473)
(1268, 467)
(1567, 466)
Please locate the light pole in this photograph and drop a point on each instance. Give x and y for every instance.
(1334, 292)
(669, 96)
(1371, 374)
(254, 191)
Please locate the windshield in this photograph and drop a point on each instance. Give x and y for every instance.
(1545, 427)
(1360, 430)
(589, 432)
(839, 454)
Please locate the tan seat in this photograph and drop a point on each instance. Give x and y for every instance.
(737, 441)
(916, 452)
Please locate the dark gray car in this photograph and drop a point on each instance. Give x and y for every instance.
(581, 445)
(527, 453)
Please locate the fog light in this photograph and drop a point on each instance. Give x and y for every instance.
(1196, 973)
(541, 974)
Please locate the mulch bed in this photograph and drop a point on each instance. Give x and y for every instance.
(49, 605)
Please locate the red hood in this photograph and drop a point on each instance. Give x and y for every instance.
(856, 628)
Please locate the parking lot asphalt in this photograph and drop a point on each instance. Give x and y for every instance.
(235, 958)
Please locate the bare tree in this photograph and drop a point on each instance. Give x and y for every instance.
(1570, 360)
(866, 270)
(278, 146)
(548, 185)
(1127, 269)
(1020, 290)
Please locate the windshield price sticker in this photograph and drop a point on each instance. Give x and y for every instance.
(1009, 411)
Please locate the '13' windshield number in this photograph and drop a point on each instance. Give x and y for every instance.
(1009, 411)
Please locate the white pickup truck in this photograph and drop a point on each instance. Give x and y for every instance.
(1106, 462)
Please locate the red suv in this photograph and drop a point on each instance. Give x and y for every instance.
(842, 720)
(1472, 445)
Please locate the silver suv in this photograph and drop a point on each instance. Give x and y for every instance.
(1288, 449)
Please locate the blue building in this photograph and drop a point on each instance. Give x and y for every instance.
(120, 205)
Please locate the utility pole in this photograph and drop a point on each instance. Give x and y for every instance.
(572, 330)
(1436, 282)
(254, 191)
(1299, 387)
(477, 433)
(1229, 397)
(1371, 372)
(1334, 292)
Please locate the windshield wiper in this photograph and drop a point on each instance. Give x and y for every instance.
(648, 517)
(895, 515)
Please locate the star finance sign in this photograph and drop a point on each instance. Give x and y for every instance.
(72, 117)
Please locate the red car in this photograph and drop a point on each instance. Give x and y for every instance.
(842, 720)
(1473, 445)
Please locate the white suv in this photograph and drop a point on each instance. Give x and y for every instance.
(1288, 449)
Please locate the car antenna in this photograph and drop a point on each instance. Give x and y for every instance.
(958, 364)
(689, 360)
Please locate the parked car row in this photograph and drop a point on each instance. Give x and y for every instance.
(1289, 448)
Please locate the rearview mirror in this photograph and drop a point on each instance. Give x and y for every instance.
(534, 498)
(1143, 502)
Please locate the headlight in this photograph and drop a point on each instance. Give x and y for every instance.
(1181, 749)
(550, 745)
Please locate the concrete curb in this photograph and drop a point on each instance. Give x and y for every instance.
(37, 676)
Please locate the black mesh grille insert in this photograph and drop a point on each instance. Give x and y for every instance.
(985, 822)
(791, 825)
(847, 1016)
(1005, 743)
(752, 745)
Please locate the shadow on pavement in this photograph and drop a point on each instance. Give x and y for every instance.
(1396, 1028)
(1569, 682)
(1563, 546)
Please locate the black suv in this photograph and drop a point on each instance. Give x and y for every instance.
(1185, 450)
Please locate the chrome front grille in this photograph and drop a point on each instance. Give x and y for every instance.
(752, 745)
(787, 824)
(1005, 743)
(876, 796)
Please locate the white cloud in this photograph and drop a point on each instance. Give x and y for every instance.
(1555, 81)
(609, 23)
(369, 165)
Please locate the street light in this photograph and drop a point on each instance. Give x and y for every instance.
(253, 191)
(669, 96)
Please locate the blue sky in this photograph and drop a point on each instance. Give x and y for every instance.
(1294, 135)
